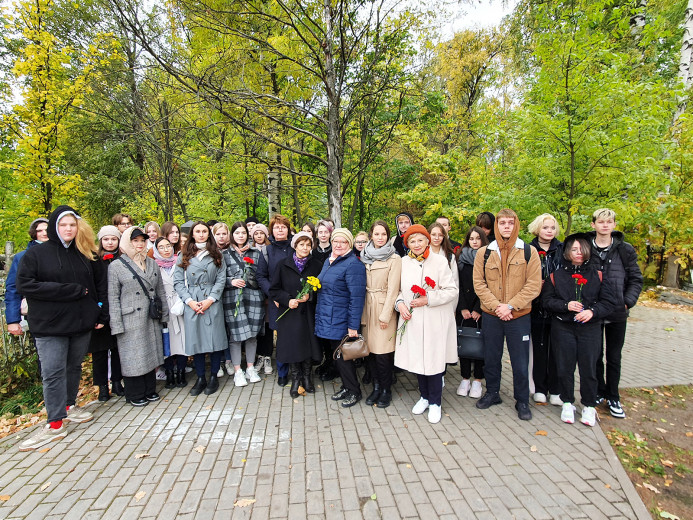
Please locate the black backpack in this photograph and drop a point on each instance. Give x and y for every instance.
(528, 255)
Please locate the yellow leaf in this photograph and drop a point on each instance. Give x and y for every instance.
(661, 430)
(200, 449)
(45, 486)
(543, 433)
(4, 498)
(139, 496)
(668, 482)
(44, 450)
(533, 448)
(667, 463)
(607, 486)
(641, 470)
(244, 502)
(445, 443)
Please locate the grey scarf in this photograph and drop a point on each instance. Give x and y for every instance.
(372, 254)
(467, 256)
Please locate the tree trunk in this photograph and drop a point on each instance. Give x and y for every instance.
(273, 178)
(334, 184)
(671, 274)
(685, 73)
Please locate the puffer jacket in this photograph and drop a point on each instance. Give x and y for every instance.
(550, 263)
(620, 267)
(63, 288)
(596, 295)
(341, 298)
(13, 299)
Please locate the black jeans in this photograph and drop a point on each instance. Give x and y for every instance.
(347, 371)
(100, 364)
(516, 334)
(381, 366)
(431, 388)
(577, 343)
(615, 336)
(139, 387)
(265, 342)
(544, 369)
(466, 368)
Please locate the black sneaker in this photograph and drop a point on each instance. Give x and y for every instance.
(341, 394)
(152, 397)
(137, 402)
(523, 411)
(350, 400)
(488, 400)
(599, 400)
(616, 409)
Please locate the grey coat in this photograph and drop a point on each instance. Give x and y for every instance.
(202, 279)
(139, 337)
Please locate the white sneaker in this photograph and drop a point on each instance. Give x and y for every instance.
(539, 397)
(43, 436)
(229, 367)
(420, 406)
(476, 390)
(443, 381)
(239, 378)
(555, 400)
(78, 415)
(267, 365)
(221, 372)
(252, 375)
(160, 374)
(589, 416)
(463, 389)
(434, 413)
(568, 413)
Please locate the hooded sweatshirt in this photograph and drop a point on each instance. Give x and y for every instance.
(62, 287)
(399, 244)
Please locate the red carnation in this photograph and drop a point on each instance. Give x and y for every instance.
(109, 256)
(577, 276)
(541, 253)
(248, 260)
(582, 281)
(430, 282)
(418, 290)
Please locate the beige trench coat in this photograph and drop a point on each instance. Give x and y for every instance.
(430, 338)
(382, 289)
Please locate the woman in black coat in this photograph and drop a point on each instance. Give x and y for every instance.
(102, 342)
(578, 300)
(296, 341)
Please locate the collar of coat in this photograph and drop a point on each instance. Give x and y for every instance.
(493, 246)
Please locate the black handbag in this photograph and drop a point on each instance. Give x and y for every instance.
(351, 348)
(470, 342)
(156, 309)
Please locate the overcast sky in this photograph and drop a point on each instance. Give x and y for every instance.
(477, 14)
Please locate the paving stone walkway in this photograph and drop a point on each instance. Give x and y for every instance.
(186, 457)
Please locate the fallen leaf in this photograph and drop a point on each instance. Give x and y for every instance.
(244, 460)
(301, 390)
(200, 449)
(607, 486)
(669, 329)
(373, 497)
(445, 443)
(141, 455)
(544, 433)
(44, 450)
(4, 498)
(139, 496)
(648, 390)
(670, 516)
(208, 407)
(641, 470)
(541, 404)
(650, 487)
(661, 430)
(45, 486)
(409, 465)
(668, 482)
(296, 401)
(533, 448)
(244, 502)
(689, 434)
(667, 463)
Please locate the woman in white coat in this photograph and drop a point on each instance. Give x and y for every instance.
(427, 338)
(174, 364)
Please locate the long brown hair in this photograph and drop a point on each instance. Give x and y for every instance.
(190, 249)
(166, 229)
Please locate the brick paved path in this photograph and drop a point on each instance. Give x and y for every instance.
(312, 458)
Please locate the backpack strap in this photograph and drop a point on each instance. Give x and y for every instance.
(487, 253)
(139, 279)
(528, 252)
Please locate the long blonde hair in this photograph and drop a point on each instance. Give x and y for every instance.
(85, 239)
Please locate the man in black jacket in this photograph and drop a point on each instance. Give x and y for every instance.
(618, 261)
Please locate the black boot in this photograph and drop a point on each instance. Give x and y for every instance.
(385, 398)
(170, 379)
(375, 395)
(181, 382)
(103, 393)
(367, 376)
(213, 385)
(199, 386)
(330, 372)
(118, 388)
(308, 377)
(295, 370)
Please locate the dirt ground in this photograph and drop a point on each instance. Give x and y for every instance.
(655, 445)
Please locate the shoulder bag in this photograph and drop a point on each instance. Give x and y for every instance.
(156, 309)
(470, 342)
(351, 348)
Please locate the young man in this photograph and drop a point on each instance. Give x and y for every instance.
(507, 277)
(445, 222)
(122, 221)
(403, 221)
(619, 263)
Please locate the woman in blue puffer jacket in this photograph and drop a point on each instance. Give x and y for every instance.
(339, 308)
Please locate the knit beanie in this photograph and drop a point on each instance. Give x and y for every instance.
(416, 228)
(344, 233)
(107, 231)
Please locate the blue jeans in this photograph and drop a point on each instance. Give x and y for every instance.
(516, 334)
(61, 370)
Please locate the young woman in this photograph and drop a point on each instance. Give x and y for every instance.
(174, 365)
(171, 231)
(63, 291)
(360, 241)
(576, 328)
(139, 336)
(153, 232)
(244, 304)
(309, 228)
(469, 309)
(265, 340)
(222, 236)
(340, 306)
(199, 280)
(379, 319)
(102, 342)
(545, 229)
(296, 341)
(429, 340)
(440, 245)
(323, 232)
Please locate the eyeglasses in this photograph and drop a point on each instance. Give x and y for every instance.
(361, 242)
(165, 247)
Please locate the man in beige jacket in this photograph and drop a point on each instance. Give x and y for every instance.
(507, 277)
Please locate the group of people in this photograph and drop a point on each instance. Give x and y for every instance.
(143, 298)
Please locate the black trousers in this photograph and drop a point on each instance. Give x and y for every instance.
(544, 369)
(140, 387)
(576, 342)
(431, 388)
(347, 370)
(516, 334)
(381, 366)
(265, 342)
(100, 364)
(466, 368)
(214, 361)
(615, 336)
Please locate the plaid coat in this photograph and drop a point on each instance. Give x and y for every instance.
(250, 319)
